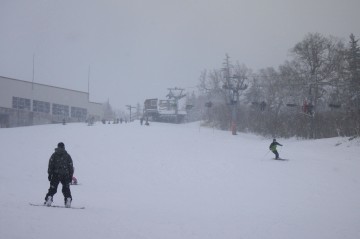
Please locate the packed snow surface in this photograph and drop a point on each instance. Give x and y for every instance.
(167, 181)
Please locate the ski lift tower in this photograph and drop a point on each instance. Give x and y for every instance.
(129, 108)
(176, 97)
(233, 85)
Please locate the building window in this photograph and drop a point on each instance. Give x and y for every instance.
(21, 103)
(62, 110)
(41, 106)
(154, 103)
(79, 113)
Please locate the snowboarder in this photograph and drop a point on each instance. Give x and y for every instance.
(273, 146)
(60, 170)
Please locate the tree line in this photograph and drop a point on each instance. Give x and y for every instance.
(314, 94)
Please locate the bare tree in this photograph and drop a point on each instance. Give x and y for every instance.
(317, 83)
(316, 58)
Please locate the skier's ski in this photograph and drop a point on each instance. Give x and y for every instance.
(58, 206)
(281, 159)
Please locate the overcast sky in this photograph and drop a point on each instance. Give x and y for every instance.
(136, 49)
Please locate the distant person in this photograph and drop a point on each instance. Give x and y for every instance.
(273, 146)
(60, 170)
(74, 180)
(91, 121)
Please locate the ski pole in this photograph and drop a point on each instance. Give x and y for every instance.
(266, 153)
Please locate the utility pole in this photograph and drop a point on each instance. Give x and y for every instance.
(89, 84)
(32, 84)
(176, 98)
(129, 108)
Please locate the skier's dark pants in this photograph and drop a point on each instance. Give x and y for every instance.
(54, 183)
(276, 154)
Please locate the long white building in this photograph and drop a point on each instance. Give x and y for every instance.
(24, 103)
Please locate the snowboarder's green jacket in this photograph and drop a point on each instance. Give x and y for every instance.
(273, 146)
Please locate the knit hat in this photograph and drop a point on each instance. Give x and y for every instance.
(61, 145)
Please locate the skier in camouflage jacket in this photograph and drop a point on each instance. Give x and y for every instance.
(60, 170)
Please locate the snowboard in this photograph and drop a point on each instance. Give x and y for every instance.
(58, 206)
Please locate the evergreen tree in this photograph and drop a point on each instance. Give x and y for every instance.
(108, 111)
(353, 59)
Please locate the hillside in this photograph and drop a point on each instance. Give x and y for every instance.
(179, 181)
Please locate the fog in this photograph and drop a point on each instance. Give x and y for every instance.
(130, 50)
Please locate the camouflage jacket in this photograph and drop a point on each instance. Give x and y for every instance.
(61, 163)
